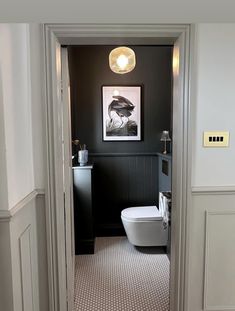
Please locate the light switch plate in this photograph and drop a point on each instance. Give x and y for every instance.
(216, 139)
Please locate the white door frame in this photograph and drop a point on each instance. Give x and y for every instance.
(68, 180)
(178, 35)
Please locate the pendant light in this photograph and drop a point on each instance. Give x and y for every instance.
(122, 60)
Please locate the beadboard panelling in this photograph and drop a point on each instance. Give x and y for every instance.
(120, 182)
(219, 284)
(26, 270)
(211, 251)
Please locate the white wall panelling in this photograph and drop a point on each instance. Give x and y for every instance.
(219, 286)
(6, 290)
(23, 256)
(26, 269)
(22, 220)
(42, 250)
(211, 275)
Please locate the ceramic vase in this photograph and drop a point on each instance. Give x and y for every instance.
(83, 157)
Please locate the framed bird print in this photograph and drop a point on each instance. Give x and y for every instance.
(121, 109)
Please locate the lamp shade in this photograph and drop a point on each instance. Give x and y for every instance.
(122, 60)
(165, 136)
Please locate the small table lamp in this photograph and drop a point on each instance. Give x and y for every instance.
(165, 137)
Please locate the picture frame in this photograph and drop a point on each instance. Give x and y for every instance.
(121, 112)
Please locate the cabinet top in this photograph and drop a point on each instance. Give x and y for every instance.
(84, 167)
(168, 155)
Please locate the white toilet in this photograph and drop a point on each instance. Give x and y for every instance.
(144, 226)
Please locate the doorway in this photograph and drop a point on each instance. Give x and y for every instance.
(57, 35)
(125, 171)
(109, 271)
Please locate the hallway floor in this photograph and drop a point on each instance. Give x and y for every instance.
(121, 277)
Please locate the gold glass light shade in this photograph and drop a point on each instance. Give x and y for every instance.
(122, 60)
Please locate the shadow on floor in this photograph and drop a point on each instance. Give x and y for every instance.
(151, 249)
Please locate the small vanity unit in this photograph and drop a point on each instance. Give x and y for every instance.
(83, 212)
(164, 182)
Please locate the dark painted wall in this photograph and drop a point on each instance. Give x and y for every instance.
(121, 181)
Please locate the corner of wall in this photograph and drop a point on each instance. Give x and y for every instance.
(3, 166)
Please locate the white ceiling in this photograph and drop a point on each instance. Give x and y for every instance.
(117, 11)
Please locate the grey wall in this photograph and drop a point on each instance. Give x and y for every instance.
(121, 181)
(89, 71)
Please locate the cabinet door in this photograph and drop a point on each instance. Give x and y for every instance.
(84, 233)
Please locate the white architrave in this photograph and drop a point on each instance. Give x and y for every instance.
(64, 34)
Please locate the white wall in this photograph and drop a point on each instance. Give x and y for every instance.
(3, 170)
(215, 103)
(16, 101)
(38, 103)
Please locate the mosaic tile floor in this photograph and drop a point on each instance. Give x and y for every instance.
(121, 277)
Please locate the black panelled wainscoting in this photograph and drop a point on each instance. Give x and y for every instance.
(125, 173)
(122, 180)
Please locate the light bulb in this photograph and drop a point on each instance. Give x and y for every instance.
(122, 61)
(115, 93)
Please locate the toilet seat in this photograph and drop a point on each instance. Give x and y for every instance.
(141, 213)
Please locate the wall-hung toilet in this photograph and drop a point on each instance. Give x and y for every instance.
(144, 226)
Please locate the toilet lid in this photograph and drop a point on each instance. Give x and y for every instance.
(142, 213)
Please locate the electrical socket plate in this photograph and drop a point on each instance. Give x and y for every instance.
(216, 139)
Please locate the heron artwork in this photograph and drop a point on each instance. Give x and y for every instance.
(119, 112)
